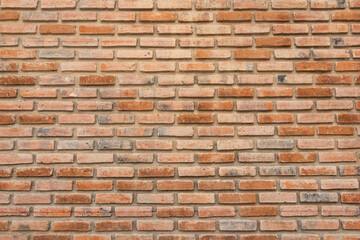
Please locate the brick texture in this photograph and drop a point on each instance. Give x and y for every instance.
(179, 119)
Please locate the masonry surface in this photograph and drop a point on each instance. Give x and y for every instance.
(179, 119)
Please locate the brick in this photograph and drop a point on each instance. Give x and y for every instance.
(256, 131)
(51, 4)
(336, 184)
(134, 132)
(237, 225)
(294, 105)
(328, 105)
(256, 157)
(7, 119)
(175, 185)
(14, 211)
(78, 16)
(252, 29)
(158, 225)
(291, 54)
(216, 185)
(9, 67)
(311, 16)
(56, 29)
(235, 92)
(314, 67)
(345, 16)
(18, 225)
(137, 4)
(317, 171)
(296, 131)
(350, 197)
(198, 198)
(337, 157)
(348, 118)
(234, 41)
(312, 41)
(74, 172)
(119, 198)
(257, 185)
(293, 4)
(233, 16)
(282, 197)
(54, 158)
(278, 225)
(347, 66)
(326, 28)
(321, 4)
(117, 42)
(96, 29)
(79, 42)
(156, 172)
(221, 211)
(335, 130)
(175, 157)
(215, 157)
(275, 118)
(155, 198)
(103, 226)
(135, 29)
(275, 144)
(320, 224)
(157, 17)
(273, 42)
(257, 211)
(175, 4)
(234, 144)
(212, 4)
(215, 131)
(237, 198)
(290, 29)
(257, 4)
(252, 54)
(272, 16)
(278, 171)
(30, 4)
(196, 171)
(315, 144)
(133, 211)
(157, 67)
(195, 17)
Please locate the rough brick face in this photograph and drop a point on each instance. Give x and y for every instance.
(179, 119)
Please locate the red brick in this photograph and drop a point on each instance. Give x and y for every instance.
(112, 225)
(273, 42)
(196, 225)
(272, 16)
(237, 198)
(314, 66)
(252, 54)
(56, 29)
(320, 224)
(233, 16)
(119, 198)
(212, 4)
(257, 184)
(255, 211)
(278, 225)
(158, 225)
(96, 29)
(347, 66)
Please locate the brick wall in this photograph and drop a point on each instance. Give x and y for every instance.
(179, 119)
